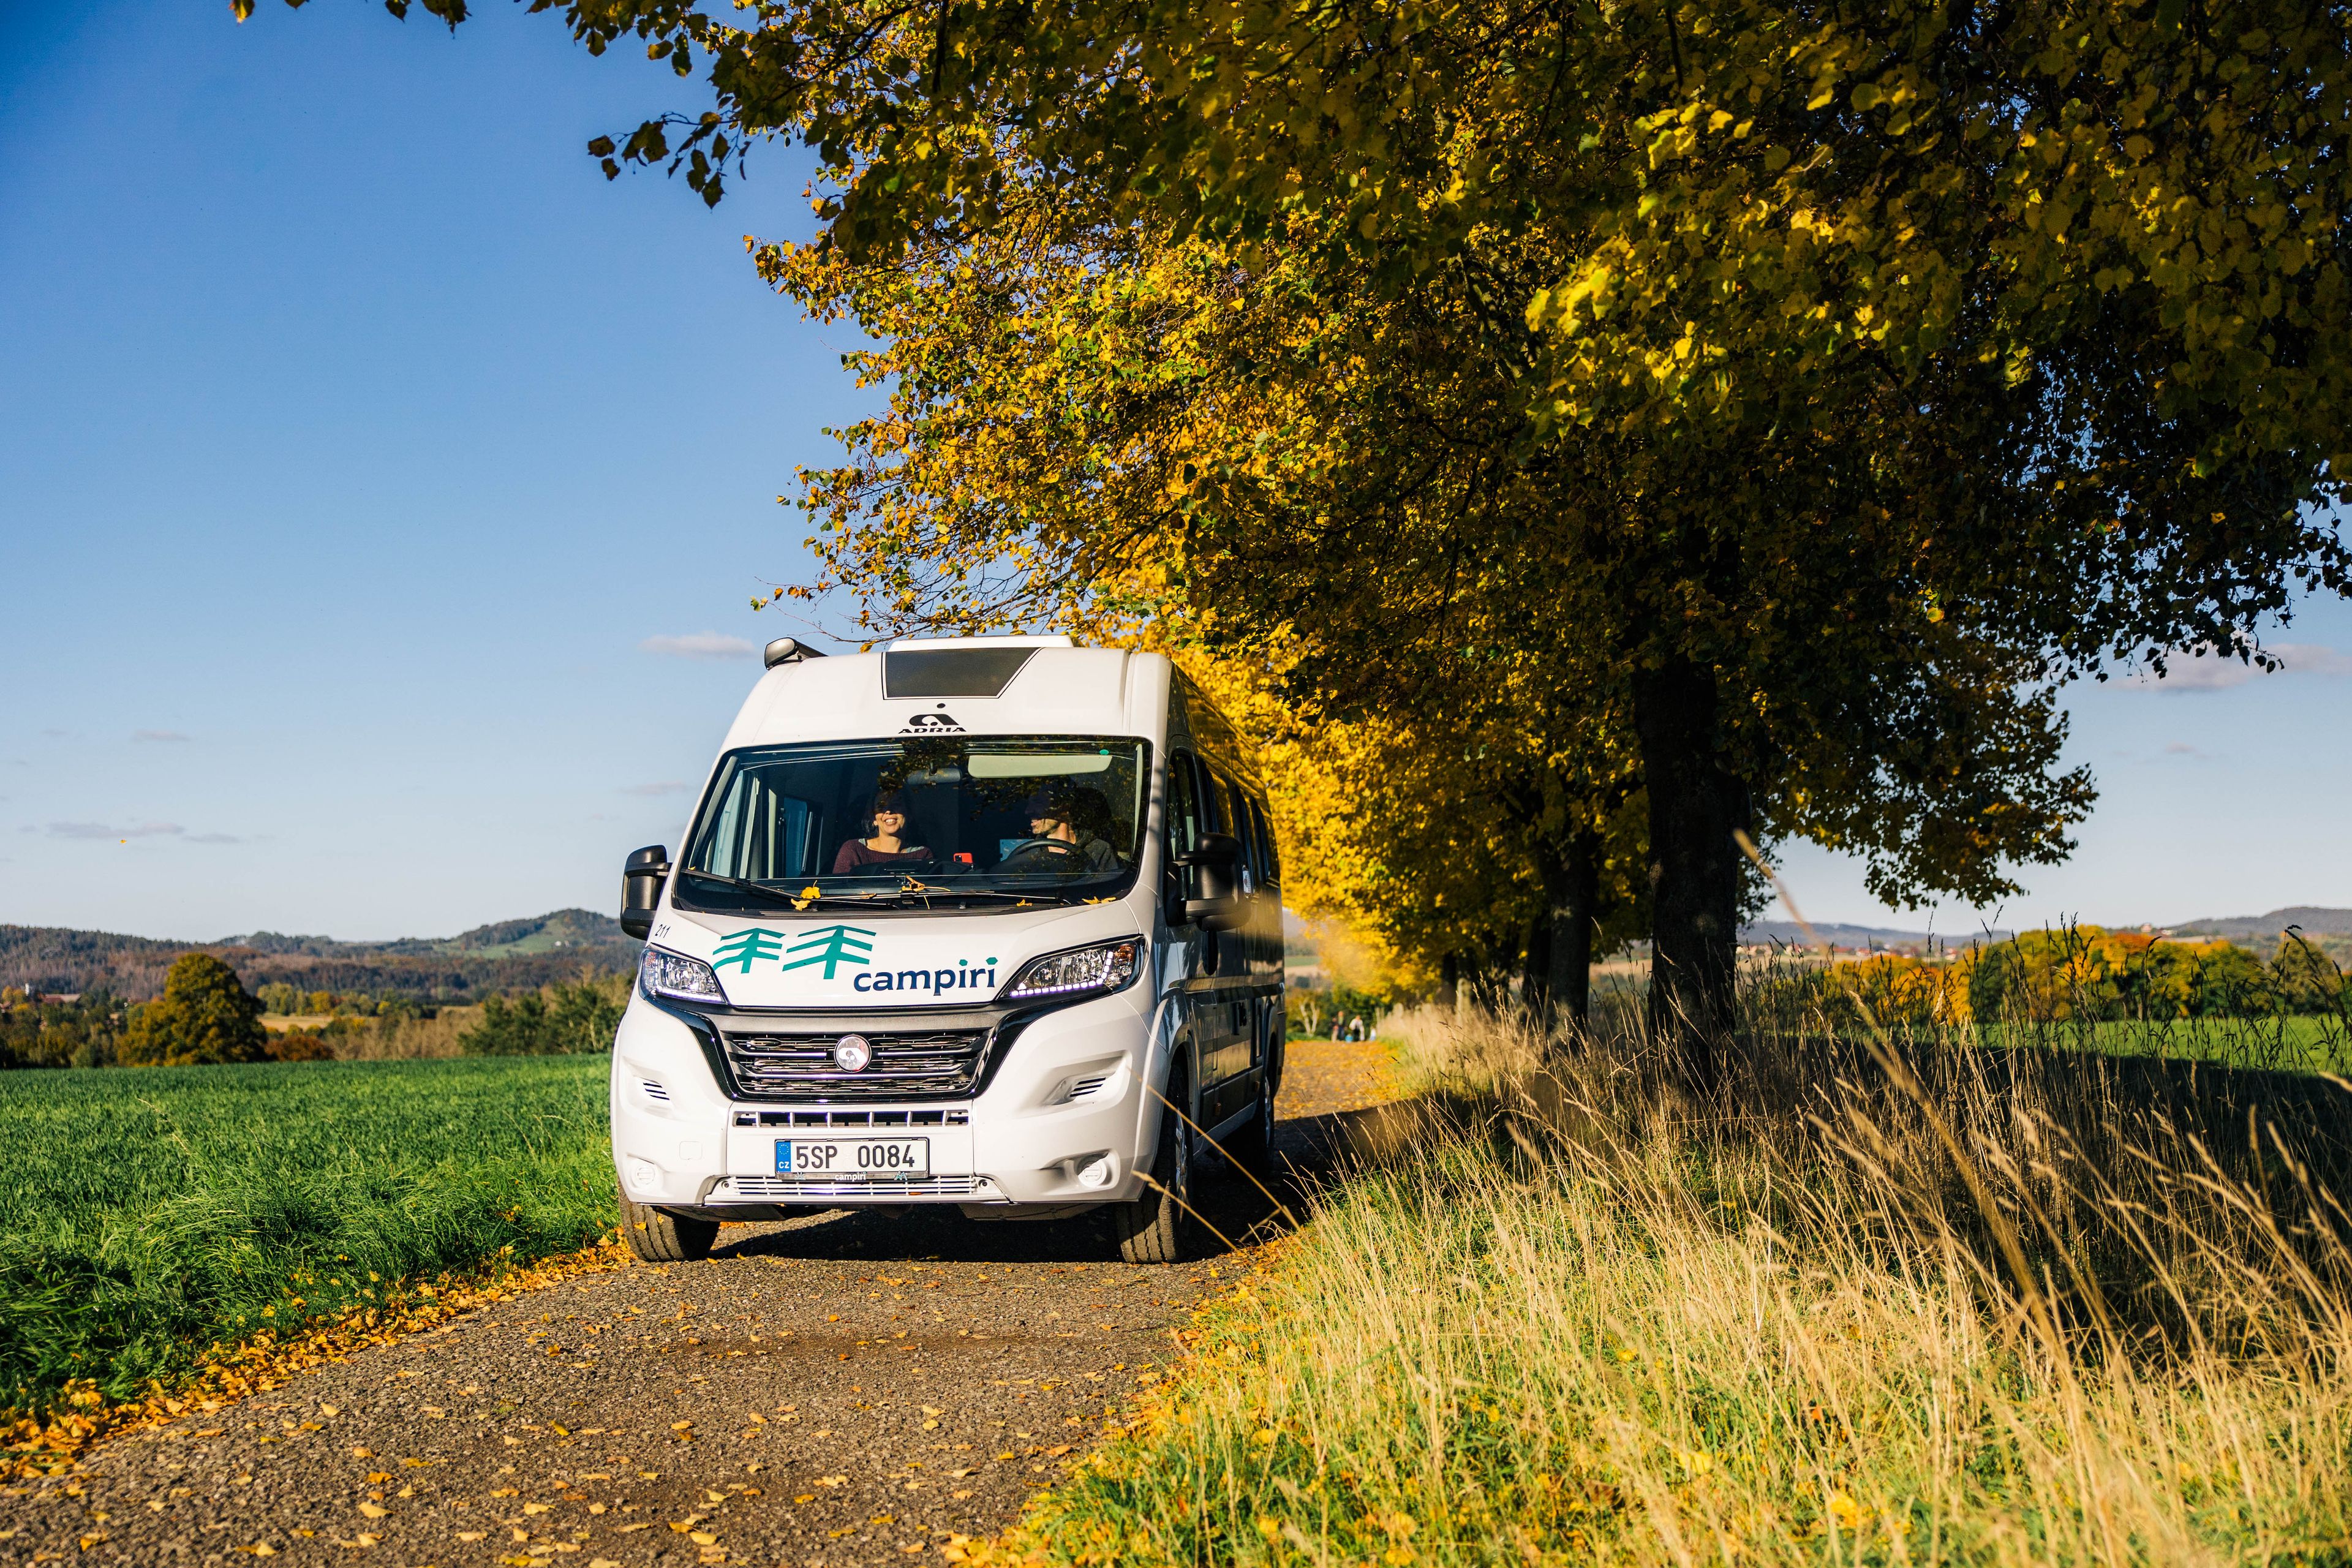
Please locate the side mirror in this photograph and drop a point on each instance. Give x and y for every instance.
(642, 876)
(1217, 863)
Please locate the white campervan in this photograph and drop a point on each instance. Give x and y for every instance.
(957, 922)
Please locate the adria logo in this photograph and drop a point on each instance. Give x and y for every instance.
(941, 723)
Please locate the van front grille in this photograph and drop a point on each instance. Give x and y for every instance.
(785, 1189)
(929, 1064)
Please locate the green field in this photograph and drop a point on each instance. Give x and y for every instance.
(2284, 1044)
(150, 1211)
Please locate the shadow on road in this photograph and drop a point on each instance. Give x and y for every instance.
(1308, 1152)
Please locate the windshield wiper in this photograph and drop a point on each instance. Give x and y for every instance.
(778, 895)
(927, 891)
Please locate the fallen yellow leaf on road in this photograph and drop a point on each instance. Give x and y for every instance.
(703, 1538)
(373, 1510)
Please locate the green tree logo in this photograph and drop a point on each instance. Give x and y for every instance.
(746, 947)
(834, 946)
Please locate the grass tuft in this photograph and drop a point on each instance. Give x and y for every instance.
(1926, 1303)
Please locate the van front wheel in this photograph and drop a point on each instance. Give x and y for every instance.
(659, 1238)
(1157, 1227)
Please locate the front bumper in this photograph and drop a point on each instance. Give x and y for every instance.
(1069, 1087)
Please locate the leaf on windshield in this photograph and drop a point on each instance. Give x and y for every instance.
(808, 896)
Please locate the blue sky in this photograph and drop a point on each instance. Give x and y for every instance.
(361, 448)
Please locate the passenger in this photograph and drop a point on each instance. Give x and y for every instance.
(1063, 823)
(886, 849)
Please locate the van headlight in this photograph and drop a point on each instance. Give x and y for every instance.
(675, 974)
(1098, 970)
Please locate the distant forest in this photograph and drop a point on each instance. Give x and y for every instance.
(508, 956)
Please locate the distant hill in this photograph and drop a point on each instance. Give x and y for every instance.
(2312, 922)
(520, 954)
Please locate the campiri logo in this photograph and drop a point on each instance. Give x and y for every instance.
(831, 946)
(839, 947)
(965, 975)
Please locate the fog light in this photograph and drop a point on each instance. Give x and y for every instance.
(644, 1176)
(1096, 1171)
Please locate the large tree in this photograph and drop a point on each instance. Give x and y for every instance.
(1083, 421)
(1969, 344)
(205, 1015)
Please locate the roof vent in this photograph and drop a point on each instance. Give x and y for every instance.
(962, 670)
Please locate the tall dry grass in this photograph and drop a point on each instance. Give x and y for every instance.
(399, 1039)
(1874, 1300)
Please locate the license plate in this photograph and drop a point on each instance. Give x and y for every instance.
(853, 1156)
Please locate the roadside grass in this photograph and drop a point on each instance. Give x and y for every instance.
(153, 1214)
(1926, 1303)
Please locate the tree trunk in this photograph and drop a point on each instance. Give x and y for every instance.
(1574, 902)
(1535, 968)
(1560, 942)
(1696, 803)
(1449, 982)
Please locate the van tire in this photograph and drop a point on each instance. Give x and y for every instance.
(658, 1237)
(1155, 1227)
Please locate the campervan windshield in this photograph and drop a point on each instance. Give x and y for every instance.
(934, 822)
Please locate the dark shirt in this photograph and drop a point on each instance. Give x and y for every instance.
(1094, 857)
(855, 856)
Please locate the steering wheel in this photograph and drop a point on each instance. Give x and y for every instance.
(1044, 855)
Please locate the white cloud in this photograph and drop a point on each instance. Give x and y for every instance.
(2199, 671)
(159, 735)
(100, 830)
(2182, 749)
(700, 644)
(667, 786)
(214, 838)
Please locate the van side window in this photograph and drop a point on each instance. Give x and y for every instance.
(1217, 803)
(1254, 840)
(1183, 805)
(1270, 854)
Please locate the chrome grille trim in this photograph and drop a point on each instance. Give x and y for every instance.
(787, 1189)
(927, 1064)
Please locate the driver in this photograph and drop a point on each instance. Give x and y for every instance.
(1064, 828)
(888, 847)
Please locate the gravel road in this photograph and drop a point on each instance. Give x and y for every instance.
(838, 1389)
